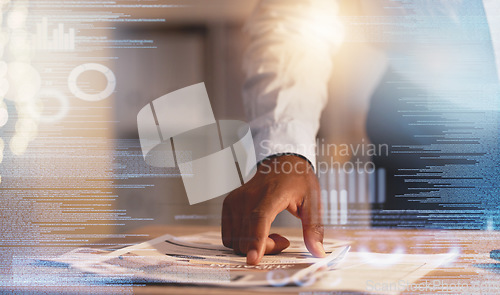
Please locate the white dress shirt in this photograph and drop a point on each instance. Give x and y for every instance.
(288, 66)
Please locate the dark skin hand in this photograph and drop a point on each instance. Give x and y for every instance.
(281, 183)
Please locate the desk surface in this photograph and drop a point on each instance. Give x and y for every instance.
(473, 248)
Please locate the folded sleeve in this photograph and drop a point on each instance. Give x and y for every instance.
(287, 67)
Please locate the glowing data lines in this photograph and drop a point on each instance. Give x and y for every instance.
(76, 72)
(179, 129)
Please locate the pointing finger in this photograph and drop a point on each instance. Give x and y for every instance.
(312, 225)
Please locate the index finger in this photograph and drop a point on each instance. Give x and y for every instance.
(257, 235)
(312, 225)
(259, 225)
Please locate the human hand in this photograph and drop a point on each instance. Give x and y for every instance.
(283, 182)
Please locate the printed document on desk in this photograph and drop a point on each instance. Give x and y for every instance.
(201, 259)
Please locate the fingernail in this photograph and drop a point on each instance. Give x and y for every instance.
(252, 257)
(319, 246)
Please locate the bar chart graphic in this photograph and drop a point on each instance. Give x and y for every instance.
(347, 196)
(54, 37)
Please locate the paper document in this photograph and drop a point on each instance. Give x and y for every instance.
(201, 259)
(379, 273)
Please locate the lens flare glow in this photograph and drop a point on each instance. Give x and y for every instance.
(18, 145)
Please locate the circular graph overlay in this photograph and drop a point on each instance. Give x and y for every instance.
(62, 110)
(76, 72)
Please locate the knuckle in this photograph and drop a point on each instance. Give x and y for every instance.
(258, 216)
(317, 229)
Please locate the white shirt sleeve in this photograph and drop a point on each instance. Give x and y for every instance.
(287, 66)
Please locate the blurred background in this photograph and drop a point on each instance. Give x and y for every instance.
(202, 42)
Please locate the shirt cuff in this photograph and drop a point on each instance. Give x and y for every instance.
(293, 137)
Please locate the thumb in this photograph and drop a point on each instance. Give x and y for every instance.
(312, 226)
(276, 243)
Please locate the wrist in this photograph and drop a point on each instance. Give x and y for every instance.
(286, 163)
